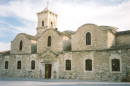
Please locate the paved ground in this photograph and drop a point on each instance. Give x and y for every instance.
(13, 81)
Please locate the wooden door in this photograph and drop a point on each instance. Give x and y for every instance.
(48, 71)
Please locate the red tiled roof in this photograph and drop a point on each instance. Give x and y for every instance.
(4, 52)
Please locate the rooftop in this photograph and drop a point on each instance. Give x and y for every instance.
(123, 32)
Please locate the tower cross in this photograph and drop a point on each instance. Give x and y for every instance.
(47, 3)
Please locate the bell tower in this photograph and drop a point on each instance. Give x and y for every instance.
(46, 19)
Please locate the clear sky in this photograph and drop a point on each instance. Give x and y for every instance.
(19, 16)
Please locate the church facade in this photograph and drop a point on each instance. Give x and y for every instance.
(90, 53)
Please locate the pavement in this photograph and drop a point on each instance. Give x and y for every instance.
(22, 81)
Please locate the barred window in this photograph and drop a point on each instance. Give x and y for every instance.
(115, 65)
(88, 64)
(68, 64)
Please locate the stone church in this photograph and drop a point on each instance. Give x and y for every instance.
(91, 53)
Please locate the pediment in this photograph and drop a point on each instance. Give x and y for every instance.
(48, 54)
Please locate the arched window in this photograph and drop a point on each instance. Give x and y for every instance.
(19, 65)
(21, 45)
(115, 65)
(88, 64)
(68, 64)
(42, 23)
(51, 24)
(32, 64)
(88, 38)
(6, 64)
(49, 41)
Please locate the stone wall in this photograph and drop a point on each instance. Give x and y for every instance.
(16, 43)
(123, 39)
(33, 46)
(56, 41)
(66, 43)
(111, 39)
(68, 46)
(101, 65)
(40, 30)
(49, 58)
(98, 38)
(47, 17)
(25, 70)
(42, 16)
(128, 61)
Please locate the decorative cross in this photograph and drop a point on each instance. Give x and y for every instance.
(47, 3)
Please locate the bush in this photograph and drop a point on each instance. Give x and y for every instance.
(126, 78)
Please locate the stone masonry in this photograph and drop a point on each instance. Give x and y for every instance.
(50, 49)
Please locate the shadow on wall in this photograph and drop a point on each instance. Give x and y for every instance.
(67, 45)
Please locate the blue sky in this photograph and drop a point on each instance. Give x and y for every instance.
(19, 16)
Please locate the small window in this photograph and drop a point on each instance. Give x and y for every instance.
(6, 64)
(88, 64)
(19, 65)
(42, 23)
(49, 41)
(21, 45)
(32, 64)
(51, 24)
(88, 38)
(68, 64)
(115, 65)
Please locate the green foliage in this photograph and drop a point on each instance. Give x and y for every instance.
(126, 78)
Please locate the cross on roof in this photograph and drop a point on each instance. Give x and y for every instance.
(47, 3)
